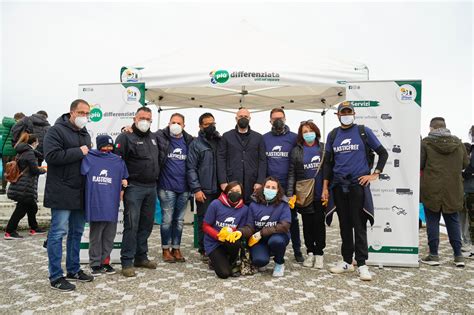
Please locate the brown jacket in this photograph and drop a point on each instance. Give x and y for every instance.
(443, 157)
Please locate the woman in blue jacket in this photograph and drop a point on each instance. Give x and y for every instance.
(268, 226)
(223, 218)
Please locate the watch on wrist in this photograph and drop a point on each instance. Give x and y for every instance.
(377, 172)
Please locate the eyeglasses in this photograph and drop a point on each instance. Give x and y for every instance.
(306, 121)
(81, 113)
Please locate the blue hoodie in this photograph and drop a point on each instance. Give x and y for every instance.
(104, 173)
(267, 215)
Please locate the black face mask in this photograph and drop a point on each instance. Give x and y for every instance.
(243, 123)
(278, 125)
(209, 131)
(234, 196)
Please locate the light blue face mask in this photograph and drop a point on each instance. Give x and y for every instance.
(269, 194)
(309, 137)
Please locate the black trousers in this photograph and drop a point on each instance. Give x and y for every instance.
(28, 207)
(201, 208)
(314, 230)
(223, 257)
(352, 223)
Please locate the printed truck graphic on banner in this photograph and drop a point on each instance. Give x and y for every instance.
(277, 148)
(104, 173)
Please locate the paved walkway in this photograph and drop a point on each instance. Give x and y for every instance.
(192, 288)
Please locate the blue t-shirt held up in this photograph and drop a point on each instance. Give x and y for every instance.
(218, 216)
(277, 150)
(104, 173)
(349, 152)
(173, 174)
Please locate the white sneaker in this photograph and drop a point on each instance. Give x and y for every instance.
(364, 273)
(319, 262)
(309, 261)
(342, 267)
(279, 270)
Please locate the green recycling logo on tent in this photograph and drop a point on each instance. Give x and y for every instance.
(219, 76)
(96, 113)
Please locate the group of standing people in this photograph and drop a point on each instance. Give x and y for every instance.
(248, 187)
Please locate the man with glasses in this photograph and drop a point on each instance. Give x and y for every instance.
(139, 150)
(65, 145)
(278, 144)
(241, 156)
(201, 171)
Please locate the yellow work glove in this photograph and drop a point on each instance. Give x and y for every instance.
(234, 236)
(292, 201)
(254, 239)
(325, 203)
(224, 233)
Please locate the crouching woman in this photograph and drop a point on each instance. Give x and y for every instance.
(268, 226)
(221, 224)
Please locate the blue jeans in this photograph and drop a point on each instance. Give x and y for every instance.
(452, 225)
(173, 206)
(70, 222)
(273, 245)
(138, 217)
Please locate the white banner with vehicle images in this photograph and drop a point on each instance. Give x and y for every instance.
(392, 109)
(113, 106)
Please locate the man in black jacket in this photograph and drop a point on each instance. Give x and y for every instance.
(139, 150)
(201, 170)
(65, 145)
(241, 156)
(173, 189)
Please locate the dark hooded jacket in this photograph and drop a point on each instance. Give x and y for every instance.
(64, 183)
(40, 127)
(443, 157)
(26, 188)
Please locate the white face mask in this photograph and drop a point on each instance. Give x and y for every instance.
(347, 120)
(143, 125)
(81, 121)
(176, 129)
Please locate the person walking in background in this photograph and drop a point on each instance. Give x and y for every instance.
(306, 164)
(106, 174)
(468, 175)
(8, 152)
(443, 157)
(65, 145)
(139, 150)
(222, 241)
(241, 156)
(25, 190)
(201, 171)
(37, 124)
(278, 144)
(173, 189)
(268, 226)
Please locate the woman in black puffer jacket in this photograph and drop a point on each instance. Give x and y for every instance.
(25, 190)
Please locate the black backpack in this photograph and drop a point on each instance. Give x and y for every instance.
(368, 150)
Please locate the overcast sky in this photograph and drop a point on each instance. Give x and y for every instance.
(47, 49)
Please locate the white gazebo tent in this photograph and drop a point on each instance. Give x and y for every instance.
(258, 82)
